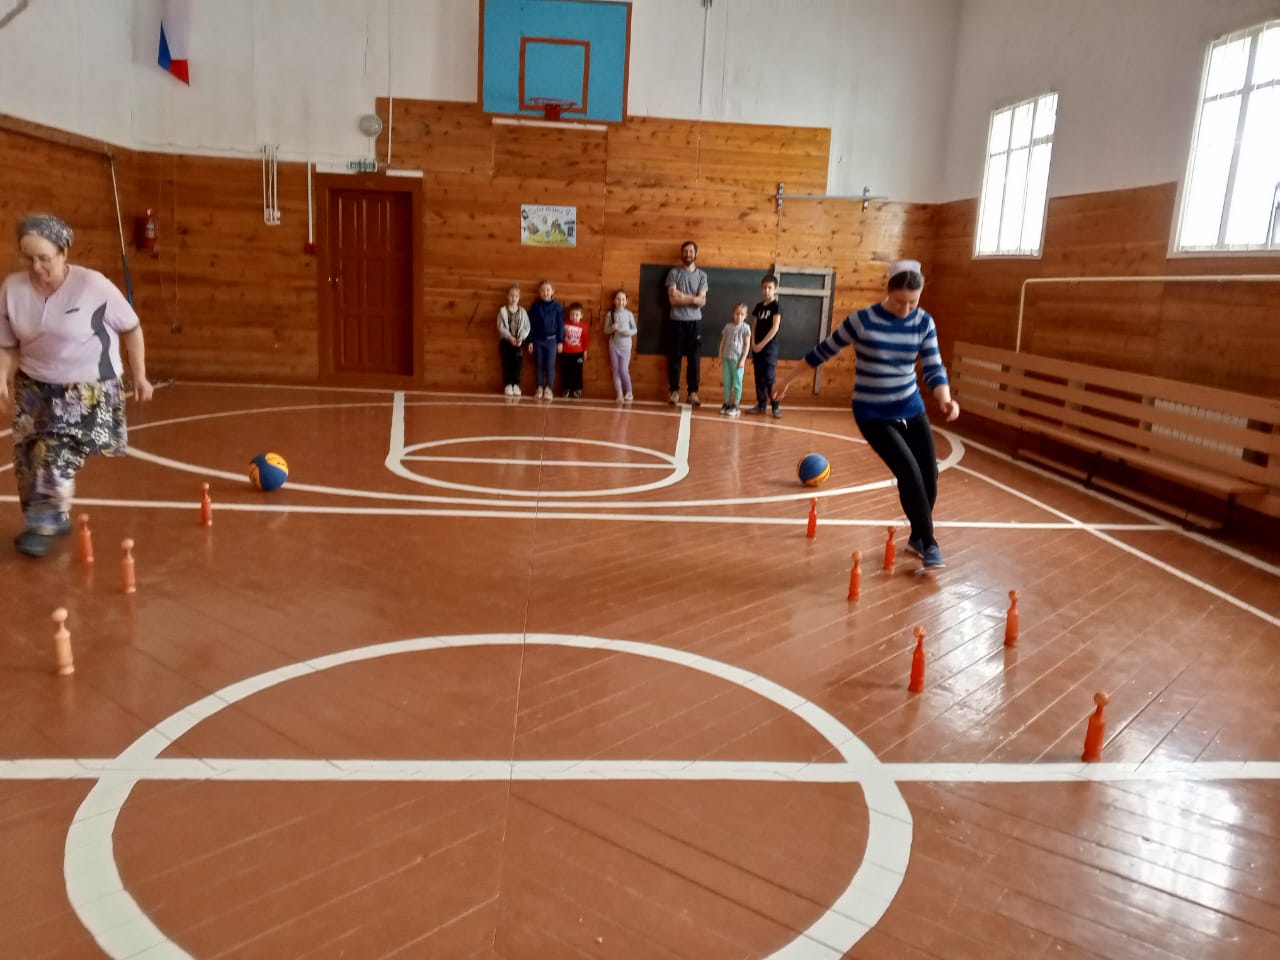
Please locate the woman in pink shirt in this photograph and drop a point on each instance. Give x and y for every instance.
(61, 327)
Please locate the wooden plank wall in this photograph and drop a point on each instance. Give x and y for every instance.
(47, 171)
(228, 297)
(641, 189)
(223, 295)
(1221, 334)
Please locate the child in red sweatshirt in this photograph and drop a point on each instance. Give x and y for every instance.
(574, 357)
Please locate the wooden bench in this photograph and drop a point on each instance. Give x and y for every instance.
(1223, 445)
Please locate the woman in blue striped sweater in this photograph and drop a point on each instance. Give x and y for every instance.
(888, 337)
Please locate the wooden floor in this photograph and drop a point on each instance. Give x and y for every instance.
(495, 679)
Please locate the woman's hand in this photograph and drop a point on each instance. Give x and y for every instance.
(950, 409)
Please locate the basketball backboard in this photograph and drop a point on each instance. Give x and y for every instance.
(569, 55)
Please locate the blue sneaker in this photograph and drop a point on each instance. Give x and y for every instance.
(933, 557)
(916, 545)
(33, 543)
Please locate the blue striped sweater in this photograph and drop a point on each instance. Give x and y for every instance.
(886, 346)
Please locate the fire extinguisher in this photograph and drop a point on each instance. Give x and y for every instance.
(144, 232)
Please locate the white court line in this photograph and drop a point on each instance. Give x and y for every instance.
(122, 929)
(527, 514)
(1131, 550)
(957, 446)
(513, 462)
(358, 494)
(228, 770)
(1161, 522)
(685, 414)
(676, 468)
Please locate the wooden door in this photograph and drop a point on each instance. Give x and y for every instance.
(369, 281)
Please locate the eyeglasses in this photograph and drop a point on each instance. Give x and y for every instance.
(43, 259)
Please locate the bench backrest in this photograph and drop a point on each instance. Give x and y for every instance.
(1232, 433)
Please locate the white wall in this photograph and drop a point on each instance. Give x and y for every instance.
(876, 72)
(906, 86)
(1127, 71)
(66, 64)
(300, 72)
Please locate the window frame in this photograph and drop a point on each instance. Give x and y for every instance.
(1021, 254)
(1272, 247)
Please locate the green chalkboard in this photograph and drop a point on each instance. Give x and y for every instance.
(803, 320)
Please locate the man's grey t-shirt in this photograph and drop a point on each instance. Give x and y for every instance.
(689, 282)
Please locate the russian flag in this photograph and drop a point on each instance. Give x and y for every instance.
(175, 38)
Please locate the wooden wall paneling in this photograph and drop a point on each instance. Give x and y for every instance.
(1116, 232)
(731, 228)
(242, 292)
(47, 171)
(475, 228)
(648, 225)
(566, 155)
(1221, 334)
(653, 152)
(859, 245)
(1210, 334)
(474, 253)
(753, 157)
(1094, 323)
(54, 137)
(147, 183)
(950, 268)
(435, 135)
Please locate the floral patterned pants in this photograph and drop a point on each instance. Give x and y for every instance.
(55, 426)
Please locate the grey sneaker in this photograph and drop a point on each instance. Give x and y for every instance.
(694, 400)
(673, 398)
(933, 557)
(758, 408)
(916, 545)
(777, 412)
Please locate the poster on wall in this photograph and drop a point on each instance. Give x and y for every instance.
(543, 225)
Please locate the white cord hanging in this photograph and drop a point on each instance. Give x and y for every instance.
(271, 184)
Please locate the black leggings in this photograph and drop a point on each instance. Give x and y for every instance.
(512, 362)
(906, 447)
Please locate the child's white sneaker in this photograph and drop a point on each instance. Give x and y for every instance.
(515, 389)
(507, 390)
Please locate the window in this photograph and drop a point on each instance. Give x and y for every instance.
(1015, 185)
(1231, 196)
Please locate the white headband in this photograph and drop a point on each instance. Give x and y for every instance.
(902, 266)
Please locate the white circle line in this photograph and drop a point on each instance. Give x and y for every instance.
(684, 415)
(122, 929)
(397, 457)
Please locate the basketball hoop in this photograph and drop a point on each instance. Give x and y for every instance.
(552, 106)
